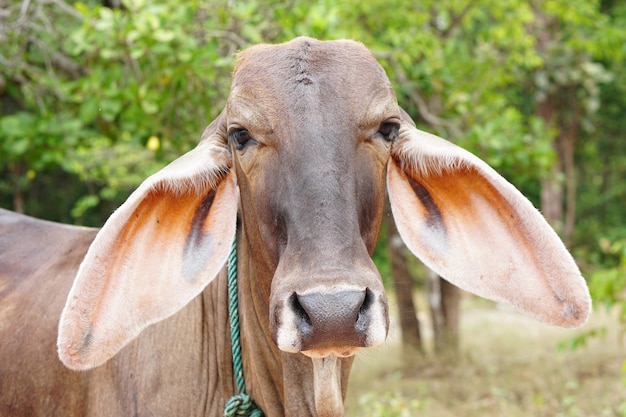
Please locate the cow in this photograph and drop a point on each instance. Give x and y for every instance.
(296, 169)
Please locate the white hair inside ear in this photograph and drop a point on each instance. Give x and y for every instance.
(153, 255)
(476, 230)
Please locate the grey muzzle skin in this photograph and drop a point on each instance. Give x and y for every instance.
(324, 320)
(337, 322)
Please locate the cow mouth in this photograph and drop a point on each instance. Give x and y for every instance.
(338, 351)
(327, 386)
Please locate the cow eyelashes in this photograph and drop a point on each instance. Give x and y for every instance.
(239, 137)
(389, 131)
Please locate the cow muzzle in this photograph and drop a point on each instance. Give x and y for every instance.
(327, 320)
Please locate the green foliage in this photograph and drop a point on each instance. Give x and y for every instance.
(134, 74)
(608, 285)
(148, 70)
(602, 169)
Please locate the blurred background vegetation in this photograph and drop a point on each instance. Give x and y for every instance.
(97, 95)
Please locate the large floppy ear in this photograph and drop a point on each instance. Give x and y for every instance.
(476, 230)
(153, 255)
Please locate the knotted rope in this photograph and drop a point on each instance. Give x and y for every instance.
(240, 404)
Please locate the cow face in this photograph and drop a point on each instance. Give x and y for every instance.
(310, 128)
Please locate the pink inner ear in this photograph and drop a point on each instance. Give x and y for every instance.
(154, 255)
(477, 231)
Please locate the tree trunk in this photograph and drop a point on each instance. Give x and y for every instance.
(558, 190)
(451, 300)
(552, 198)
(559, 109)
(443, 300)
(409, 324)
(569, 125)
(552, 186)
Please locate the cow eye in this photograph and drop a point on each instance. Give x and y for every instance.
(240, 137)
(389, 131)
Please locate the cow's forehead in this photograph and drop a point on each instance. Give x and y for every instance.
(308, 63)
(337, 76)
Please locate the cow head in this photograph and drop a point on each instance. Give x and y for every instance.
(310, 139)
(310, 131)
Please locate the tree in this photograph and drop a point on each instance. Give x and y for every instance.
(566, 95)
(105, 96)
(404, 289)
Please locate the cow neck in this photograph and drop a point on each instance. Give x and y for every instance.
(240, 404)
(262, 360)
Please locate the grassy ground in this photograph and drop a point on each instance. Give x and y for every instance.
(509, 365)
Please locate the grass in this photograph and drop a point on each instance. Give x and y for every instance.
(508, 365)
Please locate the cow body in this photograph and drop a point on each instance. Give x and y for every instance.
(295, 169)
(166, 371)
(37, 258)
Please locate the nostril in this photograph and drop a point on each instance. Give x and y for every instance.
(363, 316)
(303, 321)
(343, 314)
(330, 319)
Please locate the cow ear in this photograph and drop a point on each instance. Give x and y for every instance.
(476, 230)
(153, 255)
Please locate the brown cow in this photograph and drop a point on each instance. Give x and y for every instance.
(296, 168)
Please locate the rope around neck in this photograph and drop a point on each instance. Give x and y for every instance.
(240, 404)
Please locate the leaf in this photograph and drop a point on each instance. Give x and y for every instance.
(149, 107)
(89, 110)
(162, 35)
(110, 108)
(18, 125)
(17, 147)
(83, 204)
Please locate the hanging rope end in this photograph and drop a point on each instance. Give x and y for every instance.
(241, 405)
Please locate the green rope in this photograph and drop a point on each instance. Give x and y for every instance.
(240, 404)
